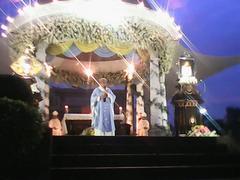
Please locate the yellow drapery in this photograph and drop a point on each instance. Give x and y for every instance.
(56, 49)
(86, 47)
(121, 49)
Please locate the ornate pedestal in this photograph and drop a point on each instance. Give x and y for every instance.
(186, 102)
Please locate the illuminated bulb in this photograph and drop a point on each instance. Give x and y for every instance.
(28, 9)
(179, 36)
(192, 120)
(3, 35)
(178, 28)
(141, 4)
(88, 72)
(203, 111)
(4, 27)
(48, 69)
(9, 19)
(20, 11)
(171, 19)
(26, 51)
(66, 109)
(36, 4)
(120, 110)
(130, 69)
(166, 15)
(26, 68)
(24, 8)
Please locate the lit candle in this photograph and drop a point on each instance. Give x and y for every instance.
(120, 110)
(66, 108)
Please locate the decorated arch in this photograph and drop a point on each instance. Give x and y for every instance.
(43, 37)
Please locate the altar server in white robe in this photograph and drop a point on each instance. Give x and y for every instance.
(102, 108)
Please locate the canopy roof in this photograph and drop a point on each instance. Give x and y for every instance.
(92, 24)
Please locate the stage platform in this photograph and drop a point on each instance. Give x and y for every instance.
(125, 157)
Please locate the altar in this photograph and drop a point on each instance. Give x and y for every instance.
(74, 124)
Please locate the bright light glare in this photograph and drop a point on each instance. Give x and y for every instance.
(88, 72)
(178, 28)
(20, 11)
(10, 19)
(203, 111)
(3, 35)
(26, 68)
(130, 69)
(4, 27)
(186, 70)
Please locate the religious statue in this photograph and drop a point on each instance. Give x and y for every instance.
(55, 124)
(143, 126)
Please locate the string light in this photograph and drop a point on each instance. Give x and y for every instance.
(178, 28)
(20, 11)
(4, 27)
(141, 4)
(10, 19)
(3, 35)
(179, 36)
(203, 110)
(36, 4)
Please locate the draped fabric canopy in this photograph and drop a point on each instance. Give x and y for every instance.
(71, 49)
(69, 70)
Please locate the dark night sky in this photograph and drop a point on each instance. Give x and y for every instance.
(213, 26)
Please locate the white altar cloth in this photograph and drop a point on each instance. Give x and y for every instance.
(71, 116)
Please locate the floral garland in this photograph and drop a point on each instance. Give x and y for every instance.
(139, 33)
(114, 78)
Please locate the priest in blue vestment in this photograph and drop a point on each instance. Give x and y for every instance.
(102, 108)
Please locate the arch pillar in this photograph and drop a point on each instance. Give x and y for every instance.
(158, 102)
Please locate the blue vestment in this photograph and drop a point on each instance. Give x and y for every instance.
(103, 110)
